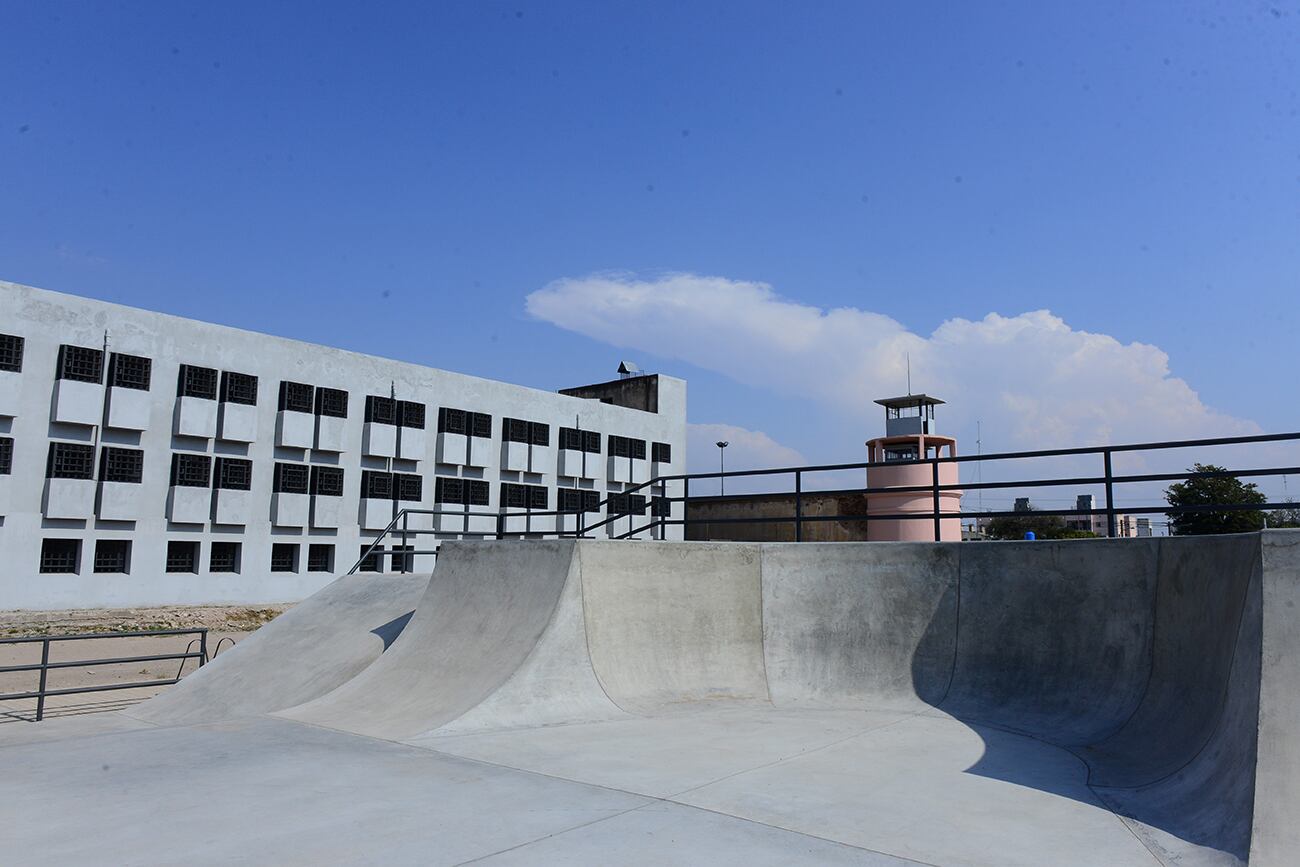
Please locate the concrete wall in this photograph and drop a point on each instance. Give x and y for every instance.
(782, 506)
(36, 409)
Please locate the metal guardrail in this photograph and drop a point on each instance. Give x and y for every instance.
(400, 525)
(44, 666)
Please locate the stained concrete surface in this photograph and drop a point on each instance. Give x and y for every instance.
(1091, 702)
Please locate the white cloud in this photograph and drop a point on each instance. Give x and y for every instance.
(1034, 381)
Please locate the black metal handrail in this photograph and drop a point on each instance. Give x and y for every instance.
(44, 666)
(1108, 479)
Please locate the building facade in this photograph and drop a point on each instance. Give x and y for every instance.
(147, 459)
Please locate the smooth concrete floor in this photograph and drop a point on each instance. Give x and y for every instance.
(744, 785)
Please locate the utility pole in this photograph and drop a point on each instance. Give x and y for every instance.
(722, 467)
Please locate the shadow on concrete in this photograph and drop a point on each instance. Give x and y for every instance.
(389, 631)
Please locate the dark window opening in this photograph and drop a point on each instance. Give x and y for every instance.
(577, 500)
(454, 421)
(80, 364)
(381, 410)
(296, 396)
(402, 562)
(239, 388)
(112, 555)
(660, 507)
(410, 414)
(480, 425)
(466, 492)
(627, 504)
(224, 557)
(60, 556)
(234, 474)
(376, 485)
(662, 453)
(195, 381)
(410, 487)
(539, 433)
(370, 562)
(11, 353)
(6, 455)
(284, 557)
(121, 465)
(320, 558)
(580, 440)
(626, 447)
(129, 371)
(191, 471)
(327, 481)
(70, 461)
(515, 496)
(182, 556)
(514, 430)
(332, 402)
(291, 479)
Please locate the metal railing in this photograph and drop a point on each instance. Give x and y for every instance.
(45, 666)
(659, 486)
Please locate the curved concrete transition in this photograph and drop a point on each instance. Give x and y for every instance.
(1108, 702)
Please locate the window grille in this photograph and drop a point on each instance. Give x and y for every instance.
(638, 449)
(453, 421)
(295, 396)
(283, 556)
(239, 388)
(11, 353)
(514, 430)
(290, 479)
(234, 474)
(539, 433)
(332, 402)
(80, 364)
(662, 453)
(381, 410)
(121, 465)
(660, 507)
(327, 481)
(6, 455)
(410, 414)
(410, 487)
(191, 471)
(70, 461)
(60, 556)
(449, 491)
(580, 440)
(627, 504)
(576, 500)
(404, 562)
(224, 557)
(376, 485)
(477, 492)
(320, 558)
(371, 561)
(591, 442)
(182, 556)
(129, 371)
(625, 447)
(517, 496)
(111, 555)
(480, 425)
(193, 381)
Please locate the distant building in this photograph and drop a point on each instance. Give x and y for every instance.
(910, 437)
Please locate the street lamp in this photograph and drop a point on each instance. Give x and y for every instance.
(722, 467)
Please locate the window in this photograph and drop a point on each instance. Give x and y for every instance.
(70, 461)
(121, 465)
(627, 504)
(182, 556)
(60, 556)
(320, 558)
(575, 500)
(284, 557)
(80, 364)
(6, 455)
(625, 447)
(129, 371)
(112, 555)
(295, 396)
(239, 388)
(193, 381)
(662, 453)
(381, 410)
(234, 474)
(376, 485)
(370, 562)
(468, 492)
(514, 430)
(515, 496)
(480, 425)
(539, 433)
(453, 421)
(332, 402)
(402, 562)
(410, 414)
(224, 557)
(191, 471)
(410, 487)
(291, 479)
(11, 353)
(660, 507)
(327, 481)
(580, 440)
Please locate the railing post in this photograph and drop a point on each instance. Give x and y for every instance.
(798, 505)
(1110, 496)
(405, 517)
(203, 646)
(686, 508)
(45, 661)
(938, 536)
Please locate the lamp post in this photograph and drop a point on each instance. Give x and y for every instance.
(722, 467)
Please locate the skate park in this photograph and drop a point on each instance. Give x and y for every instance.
(1121, 701)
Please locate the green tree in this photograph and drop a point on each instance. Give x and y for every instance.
(1215, 491)
(1042, 526)
(1288, 517)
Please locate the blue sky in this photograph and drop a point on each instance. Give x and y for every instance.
(399, 179)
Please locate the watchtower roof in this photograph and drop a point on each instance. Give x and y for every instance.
(909, 401)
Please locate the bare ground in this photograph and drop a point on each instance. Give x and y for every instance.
(224, 624)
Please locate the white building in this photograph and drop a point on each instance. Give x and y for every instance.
(147, 459)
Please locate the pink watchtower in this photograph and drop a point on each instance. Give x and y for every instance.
(909, 438)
